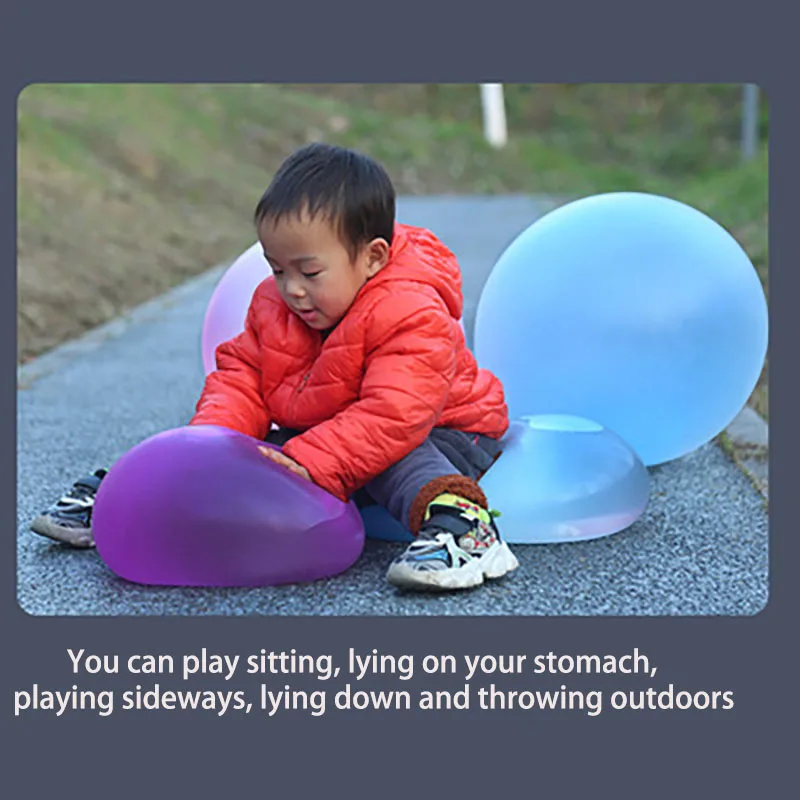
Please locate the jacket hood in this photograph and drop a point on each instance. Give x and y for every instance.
(418, 256)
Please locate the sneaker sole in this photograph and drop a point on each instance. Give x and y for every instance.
(495, 563)
(44, 526)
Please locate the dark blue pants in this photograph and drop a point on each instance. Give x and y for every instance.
(444, 452)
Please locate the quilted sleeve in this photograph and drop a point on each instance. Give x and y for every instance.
(410, 364)
(231, 397)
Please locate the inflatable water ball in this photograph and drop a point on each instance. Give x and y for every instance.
(227, 309)
(562, 478)
(630, 309)
(380, 524)
(201, 506)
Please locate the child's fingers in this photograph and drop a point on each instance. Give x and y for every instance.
(275, 455)
(284, 461)
(301, 471)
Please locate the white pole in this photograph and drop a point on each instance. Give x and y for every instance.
(749, 120)
(494, 114)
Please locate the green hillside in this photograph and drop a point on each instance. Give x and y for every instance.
(126, 190)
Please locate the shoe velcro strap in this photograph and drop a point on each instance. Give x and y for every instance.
(450, 520)
(92, 482)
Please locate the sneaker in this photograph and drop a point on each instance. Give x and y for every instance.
(70, 519)
(458, 547)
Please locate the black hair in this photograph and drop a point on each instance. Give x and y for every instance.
(352, 190)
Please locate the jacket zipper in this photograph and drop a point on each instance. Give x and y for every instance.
(304, 381)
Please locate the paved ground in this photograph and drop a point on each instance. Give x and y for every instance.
(700, 548)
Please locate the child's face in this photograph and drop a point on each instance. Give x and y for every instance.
(314, 272)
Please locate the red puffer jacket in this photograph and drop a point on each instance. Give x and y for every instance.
(395, 367)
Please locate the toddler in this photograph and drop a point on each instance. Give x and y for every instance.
(353, 361)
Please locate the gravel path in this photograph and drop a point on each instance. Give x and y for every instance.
(700, 548)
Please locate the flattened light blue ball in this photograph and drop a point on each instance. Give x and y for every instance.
(565, 479)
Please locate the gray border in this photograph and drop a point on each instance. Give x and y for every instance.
(740, 753)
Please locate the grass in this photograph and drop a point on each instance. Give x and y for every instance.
(126, 190)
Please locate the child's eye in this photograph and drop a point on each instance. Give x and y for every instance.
(311, 274)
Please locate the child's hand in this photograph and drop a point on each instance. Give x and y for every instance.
(285, 461)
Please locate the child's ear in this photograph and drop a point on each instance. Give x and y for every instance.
(377, 256)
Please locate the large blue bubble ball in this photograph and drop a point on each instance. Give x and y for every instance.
(630, 309)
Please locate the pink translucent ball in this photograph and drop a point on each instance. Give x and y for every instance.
(227, 309)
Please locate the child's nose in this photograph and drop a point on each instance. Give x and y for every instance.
(295, 288)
